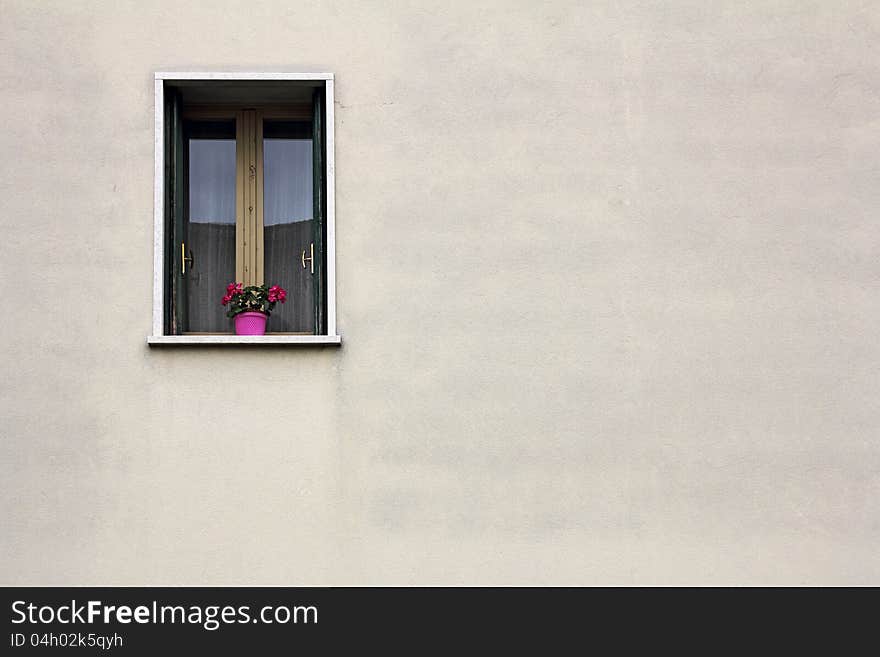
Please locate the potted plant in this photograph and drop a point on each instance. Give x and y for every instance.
(251, 306)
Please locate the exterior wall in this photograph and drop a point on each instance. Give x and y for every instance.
(608, 291)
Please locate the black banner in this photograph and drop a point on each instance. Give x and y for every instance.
(277, 620)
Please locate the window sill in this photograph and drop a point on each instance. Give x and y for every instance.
(248, 340)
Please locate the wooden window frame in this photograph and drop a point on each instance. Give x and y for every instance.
(248, 256)
(249, 172)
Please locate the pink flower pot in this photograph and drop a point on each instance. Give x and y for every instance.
(250, 323)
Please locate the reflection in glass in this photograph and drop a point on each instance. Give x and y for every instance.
(210, 227)
(212, 181)
(287, 191)
(287, 221)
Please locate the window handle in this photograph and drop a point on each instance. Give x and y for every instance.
(311, 257)
(184, 259)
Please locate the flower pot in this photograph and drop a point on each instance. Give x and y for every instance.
(250, 323)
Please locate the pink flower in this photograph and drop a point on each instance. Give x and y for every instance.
(226, 299)
(277, 293)
(233, 288)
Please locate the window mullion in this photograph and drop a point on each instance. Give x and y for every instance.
(249, 194)
(250, 215)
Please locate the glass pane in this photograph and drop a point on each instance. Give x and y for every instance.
(212, 181)
(287, 222)
(210, 226)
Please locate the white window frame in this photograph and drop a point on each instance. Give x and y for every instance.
(158, 336)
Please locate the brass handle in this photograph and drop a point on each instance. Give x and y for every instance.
(311, 257)
(184, 259)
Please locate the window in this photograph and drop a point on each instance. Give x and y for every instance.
(244, 192)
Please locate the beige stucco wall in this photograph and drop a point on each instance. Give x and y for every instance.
(608, 290)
